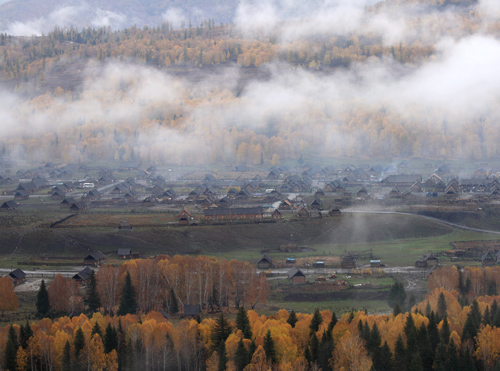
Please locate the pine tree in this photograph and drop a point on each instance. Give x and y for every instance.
(374, 341)
(382, 360)
(270, 348)
(251, 350)
(445, 331)
(241, 356)
(396, 310)
(424, 347)
(292, 319)
(314, 346)
(128, 301)
(66, 359)
(222, 356)
(441, 358)
(174, 306)
(92, 299)
(493, 311)
(110, 339)
(10, 352)
(466, 361)
(243, 323)
(25, 334)
(316, 321)
(221, 331)
(433, 331)
(79, 341)
(415, 363)
(96, 329)
(428, 309)
(397, 294)
(122, 346)
(326, 349)
(487, 316)
(452, 362)
(441, 306)
(42, 301)
(332, 323)
(399, 354)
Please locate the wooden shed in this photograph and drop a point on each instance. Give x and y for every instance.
(83, 275)
(184, 217)
(348, 261)
(94, 259)
(124, 253)
(17, 276)
(192, 310)
(296, 276)
(265, 262)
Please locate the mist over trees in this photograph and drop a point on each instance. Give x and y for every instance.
(411, 79)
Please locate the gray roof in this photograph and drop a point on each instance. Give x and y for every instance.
(295, 272)
(265, 257)
(411, 178)
(192, 309)
(96, 256)
(122, 252)
(17, 274)
(83, 274)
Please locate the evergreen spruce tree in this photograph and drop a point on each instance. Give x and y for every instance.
(467, 361)
(251, 350)
(396, 310)
(241, 356)
(445, 331)
(452, 362)
(79, 341)
(314, 346)
(174, 306)
(42, 301)
(415, 363)
(428, 310)
(270, 348)
(222, 356)
(122, 346)
(397, 294)
(441, 307)
(10, 352)
(493, 311)
(292, 319)
(441, 358)
(243, 323)
(221, 331)
(92, 299)
(496, 320)
(424, 347)
(472, 323)
(351, 316)
(66, 358)
(332, 323)
(382, 360)
(128, 301)
(492, 288)
(374, 341)
(326, 348)
(316, 321)
(433, 331)
(400, 354)
(487, 316)
(110, 339)
(96, 329)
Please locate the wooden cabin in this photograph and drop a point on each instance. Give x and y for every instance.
(265, 262)
(296, 276)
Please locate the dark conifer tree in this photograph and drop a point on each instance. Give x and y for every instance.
(326, 348)
(396, 310)
(382, 360)
(251, 350)
(10, 352)
(445, 331)
(487, 316)
(415, 363)
(316, 321)
(241, 356)
(433, 331)
(292, 319)
(424, 347)
(174, 306)
(79, 341)
(400, 354)
(92, 299)
(270, 348)
(374, 341)
(66, 359)
(428, 310)
(351, 316)
(221, 331)
(222, 356)
(466, 361)
(243, 323)
(452, 362)
(42, 301)
(314, 346)
(110, 339)
(122, 346)
(441, 358)
(493, 311)
(128, 301)
(332, 323)
(96, 329)
(441, 307)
